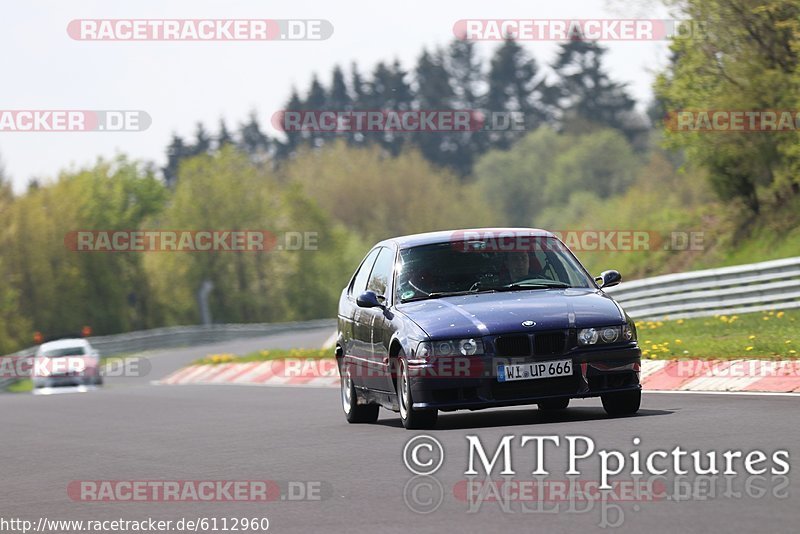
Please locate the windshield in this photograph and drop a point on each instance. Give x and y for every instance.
(65, 351)
(474, 266)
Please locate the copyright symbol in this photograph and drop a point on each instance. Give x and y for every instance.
(423, 455)
(423, 494)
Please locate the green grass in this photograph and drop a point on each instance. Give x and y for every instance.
(760, 335)
(264, 355)
(21, 386)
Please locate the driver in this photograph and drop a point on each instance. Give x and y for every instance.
(518, 264)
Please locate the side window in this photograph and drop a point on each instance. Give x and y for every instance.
(360, 281)
(382, 272)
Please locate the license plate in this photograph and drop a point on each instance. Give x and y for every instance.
(534, 370)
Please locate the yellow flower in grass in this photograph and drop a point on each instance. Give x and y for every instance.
(788, 341)
(680, 321)
(678, 341)
(751, 337)
(749, 348)
(724, 318)
(792, 352)
(779, 314)
(765, 318)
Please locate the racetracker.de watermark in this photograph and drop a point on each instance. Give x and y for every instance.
(578, 29)
(76, 120)
(200, 29)
(188, 241)
(734, 369)
(379, 120)
(198, 490)
(733, 120)
(577, 241)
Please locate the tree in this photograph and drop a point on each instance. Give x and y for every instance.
(349, 183)
(223, 137)
(176, 152)
(61, 289)
(601, 163)
(253, 142)
(514, 181)
(746, 58)
(516, 85)
(221, 191)
(586, 94)
(202, 141)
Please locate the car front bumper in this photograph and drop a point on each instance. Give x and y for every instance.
(594, 372)
(64, 381)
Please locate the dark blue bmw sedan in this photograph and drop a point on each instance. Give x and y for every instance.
(473, 319)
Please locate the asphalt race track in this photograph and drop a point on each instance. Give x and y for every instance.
(133, 430)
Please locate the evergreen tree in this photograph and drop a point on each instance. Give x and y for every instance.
(292, 139)
(176, 151)
(223, 137)
(202, 141)
(516, 86)
(252, 141)
(587, 94)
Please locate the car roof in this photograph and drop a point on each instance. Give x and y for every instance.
(64, 343)
(444, 236)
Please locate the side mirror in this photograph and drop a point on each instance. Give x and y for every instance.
(608, 279)
(368, 299)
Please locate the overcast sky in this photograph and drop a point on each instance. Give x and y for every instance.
(180, 83)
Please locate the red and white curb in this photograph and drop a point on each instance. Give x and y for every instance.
(657, 375)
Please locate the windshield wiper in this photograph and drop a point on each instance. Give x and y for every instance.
(439, 294)
(517, 287)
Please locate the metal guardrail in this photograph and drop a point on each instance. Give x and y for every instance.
(181, 336)
(754, 287)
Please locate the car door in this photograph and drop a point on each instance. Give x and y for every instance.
(357, 342)
(379, 319)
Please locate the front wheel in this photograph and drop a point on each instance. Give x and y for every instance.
(622, 402)
(354, 412)
(412, 419)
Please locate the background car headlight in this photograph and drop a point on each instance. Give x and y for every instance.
(450, 347)
(606, 334)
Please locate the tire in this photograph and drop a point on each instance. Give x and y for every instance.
(354, 412)
(412, 419)
(622, 403)
(551, 405)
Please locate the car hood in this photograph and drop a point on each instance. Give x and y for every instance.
(485, 314)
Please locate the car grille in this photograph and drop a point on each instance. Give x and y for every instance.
(544, 344)
(549, 343)
(513, 345)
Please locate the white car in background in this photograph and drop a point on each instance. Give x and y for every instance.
(66, 362)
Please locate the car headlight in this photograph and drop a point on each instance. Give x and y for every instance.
(606, 334)
(450, 347)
